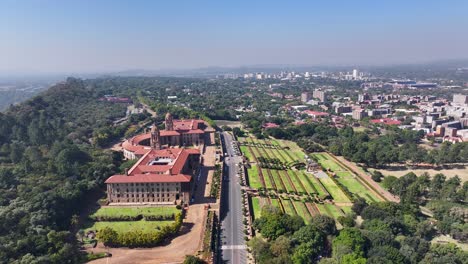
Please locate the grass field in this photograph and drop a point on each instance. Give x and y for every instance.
(355, 186)
(135, 211)
(276, 177)
(126, 226)
(326, 161)
(345, 177)
(256, 207)
(335, 191)
(284, 177)
(334, 210)
(294, 150)
(302, 211)
(266, 177)
(346, 209)
(254, 179)
(247, 154)
(296, 181)
(288, 207)
(275, 202)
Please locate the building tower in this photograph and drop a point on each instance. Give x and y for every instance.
(169, 122)
(155, 140)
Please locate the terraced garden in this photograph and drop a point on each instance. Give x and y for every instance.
(348, 179)
(273, 170)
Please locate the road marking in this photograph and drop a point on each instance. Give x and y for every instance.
(227, 247)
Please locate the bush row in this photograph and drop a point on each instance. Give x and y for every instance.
(114, 218)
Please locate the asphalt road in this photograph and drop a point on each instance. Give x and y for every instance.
(233, 246)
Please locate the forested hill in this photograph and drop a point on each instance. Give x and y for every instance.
(47, 167)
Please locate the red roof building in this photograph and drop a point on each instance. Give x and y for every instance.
(386, 121)
(160, 176)
(315, 114)
(176, 133)
(270, 125)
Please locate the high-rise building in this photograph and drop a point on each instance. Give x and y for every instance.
(355, 74)
(305, 97)
(363, 97)
(359, 114)
(460, 99)
(321, 95)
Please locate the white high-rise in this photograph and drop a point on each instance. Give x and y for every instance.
(355, 74)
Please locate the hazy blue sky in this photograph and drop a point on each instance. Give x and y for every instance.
(97, 35)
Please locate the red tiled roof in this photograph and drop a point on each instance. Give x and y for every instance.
(149, 178)
(270, 125)
(179, 155)
(386, 121)
(315, 113)
(195, 131)
(165, 133)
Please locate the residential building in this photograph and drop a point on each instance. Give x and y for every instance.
(305, 97)
(321, 95)
(460, 99)
(359, 114)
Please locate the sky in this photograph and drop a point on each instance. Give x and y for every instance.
(87, 36)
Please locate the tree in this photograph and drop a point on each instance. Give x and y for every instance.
(189, 259)
(324, 223)
(349, 240)
(304, 253)
(281, 246)
(81, 234)
(359, 205)
(388, 182)
(353, 258)
(377, 176)
(346, 220)
(260, 249)
(385, 254)
(108, 236)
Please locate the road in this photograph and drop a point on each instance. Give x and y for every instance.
(233, 246)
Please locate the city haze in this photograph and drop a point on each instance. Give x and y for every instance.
(107, 36)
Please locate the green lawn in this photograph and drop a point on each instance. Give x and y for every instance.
(281, 155)
(356, 187)
(294, 150)
(302, 211)
(327, 162)
(323, 210)
(277, 179)
(254, 179)
(275, 202)
(125, 226)
(296, 181)
(135, 211)
(346, 209)
(256, 207)
(245, 151)
(266, 177)
(335, 191)
(261, 152)
(334, 210)
(288, 207)
(284, 177)
(307, 182)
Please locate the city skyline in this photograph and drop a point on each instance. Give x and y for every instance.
(87, 37)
